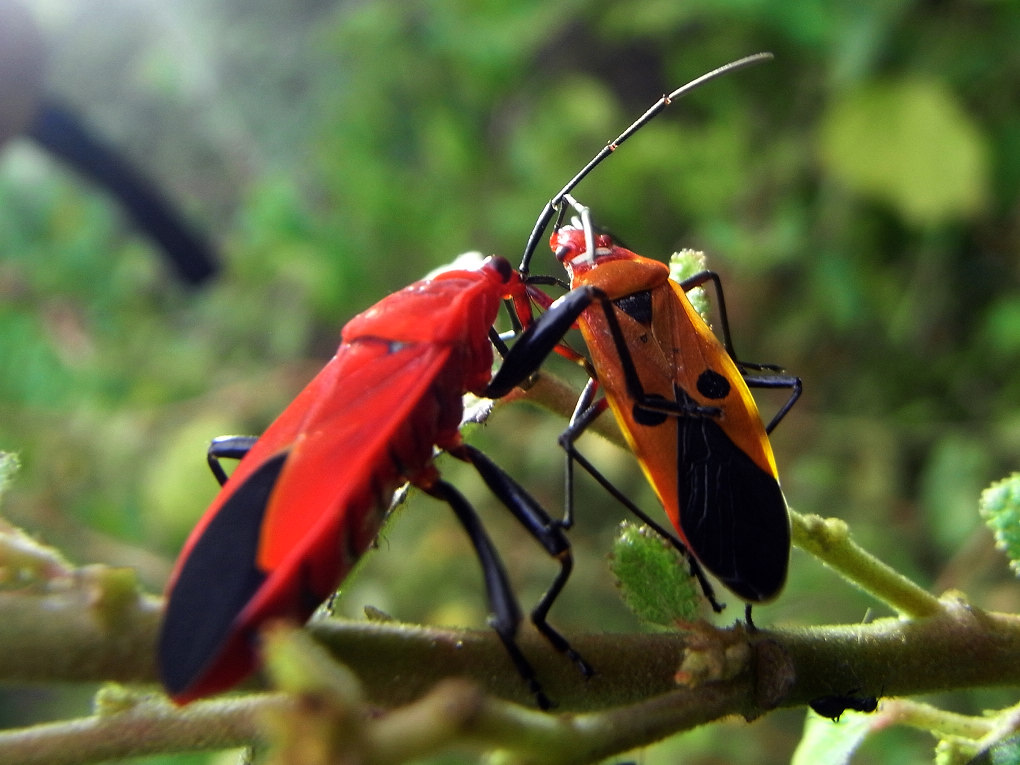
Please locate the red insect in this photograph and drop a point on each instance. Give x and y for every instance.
(307, 499)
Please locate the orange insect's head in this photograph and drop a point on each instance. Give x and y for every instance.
(578, 249)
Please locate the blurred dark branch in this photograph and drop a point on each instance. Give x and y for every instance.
(57, 129)
(25, 109)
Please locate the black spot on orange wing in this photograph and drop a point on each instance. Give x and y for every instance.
(649, 416)
(713, 385)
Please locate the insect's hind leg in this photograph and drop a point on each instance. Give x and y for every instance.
(775, 379)
(584, 414)
(695, 568)
(548, 532)
(505, 611)
(755, 375)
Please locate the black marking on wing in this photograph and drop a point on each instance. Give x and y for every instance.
(731, 511)
(713, 385)
(218, 580)
(648, 416)
(637, 306)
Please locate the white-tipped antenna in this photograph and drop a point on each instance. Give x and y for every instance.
(547, 213)
(586, 225)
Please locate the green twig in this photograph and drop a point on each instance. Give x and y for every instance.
(828, 539)
(151, 725)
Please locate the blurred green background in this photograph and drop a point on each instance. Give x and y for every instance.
(858, 195)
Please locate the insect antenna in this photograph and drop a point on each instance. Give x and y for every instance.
(554, 204)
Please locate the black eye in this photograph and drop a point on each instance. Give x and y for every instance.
(713, 385)
(502, 266)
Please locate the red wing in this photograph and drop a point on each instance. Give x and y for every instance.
(298, 510)
(378, 405)
(276, 439)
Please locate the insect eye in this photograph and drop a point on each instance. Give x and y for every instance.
(503, 267)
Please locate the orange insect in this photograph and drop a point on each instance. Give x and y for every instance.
(683, 403)
(680, 396)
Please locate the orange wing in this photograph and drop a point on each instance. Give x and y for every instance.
(715, 475)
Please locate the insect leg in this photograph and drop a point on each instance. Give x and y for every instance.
(584, 414)
(751, 626)
(545, 530)
(772, 375)
(498, 342)
(776, 381)
(228, 447)
(506, 612)
(518, 307)
(539, 340)
(698, 280)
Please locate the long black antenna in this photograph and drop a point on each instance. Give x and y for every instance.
(553, 204)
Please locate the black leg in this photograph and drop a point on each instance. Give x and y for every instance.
(497, 341)
(505, 612)
(772, 375)
(545, 530)
(227, 447)
(695, 567)
(538, 340)
(776, 380)
(584, 414)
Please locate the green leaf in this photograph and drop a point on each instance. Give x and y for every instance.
(685, 264)
(1000, 507)
(910, 144)
(829, 742)
(653, 578)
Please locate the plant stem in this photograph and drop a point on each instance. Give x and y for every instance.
(828, 539)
